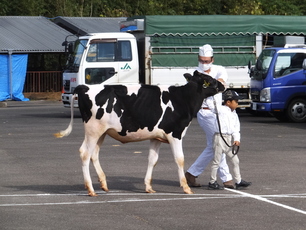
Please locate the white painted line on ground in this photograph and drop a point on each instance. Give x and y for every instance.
(286, 196)
(44, 194)
(150, 199)
(111, 201)
(257, 197)
(118, 193)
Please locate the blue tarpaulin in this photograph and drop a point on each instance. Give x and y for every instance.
(12, 76)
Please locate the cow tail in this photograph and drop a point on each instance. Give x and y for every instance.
(67, 131)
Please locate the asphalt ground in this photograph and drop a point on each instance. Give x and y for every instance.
(41, 181)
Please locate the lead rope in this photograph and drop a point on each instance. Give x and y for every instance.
(235, 148)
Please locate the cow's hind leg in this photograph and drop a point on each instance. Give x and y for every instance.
(152, 160)
(97, 165)
(85, 154)
(177, 150)
(90, 151)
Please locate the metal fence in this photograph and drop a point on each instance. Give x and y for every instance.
(43, 81)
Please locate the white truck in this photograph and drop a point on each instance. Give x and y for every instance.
(160, 49)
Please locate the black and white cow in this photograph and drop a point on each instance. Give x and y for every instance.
(130, 113)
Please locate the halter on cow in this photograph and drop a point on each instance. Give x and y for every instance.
(130, 113)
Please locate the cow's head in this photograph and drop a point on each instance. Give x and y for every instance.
(205, 81)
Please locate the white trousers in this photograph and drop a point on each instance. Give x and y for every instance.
(207, 120)
(220, 148)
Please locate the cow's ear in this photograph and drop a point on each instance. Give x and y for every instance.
(196, 73)
(187, 76)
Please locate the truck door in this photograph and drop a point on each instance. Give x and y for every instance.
(288, 85)
(104, 60)
(288, 72)
(289, 80)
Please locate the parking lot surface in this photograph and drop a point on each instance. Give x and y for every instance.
(41, 181)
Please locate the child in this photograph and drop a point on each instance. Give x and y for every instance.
(230, 128)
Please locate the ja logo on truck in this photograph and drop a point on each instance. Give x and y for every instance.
(126, 67)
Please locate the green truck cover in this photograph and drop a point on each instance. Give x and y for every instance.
(175, 38)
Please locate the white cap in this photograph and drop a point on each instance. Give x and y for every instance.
(206, 51)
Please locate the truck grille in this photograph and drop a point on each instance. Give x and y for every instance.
(255, 96)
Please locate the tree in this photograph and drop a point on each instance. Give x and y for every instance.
(265, 7)
(127, 8)
(244, 7)
(276, 7)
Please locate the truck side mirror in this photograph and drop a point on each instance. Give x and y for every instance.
(250, 65)
(251, 69)
(69, 46)
(304, 64)
(65, 43)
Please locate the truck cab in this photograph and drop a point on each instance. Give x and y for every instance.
(278, 83)
(101, 58)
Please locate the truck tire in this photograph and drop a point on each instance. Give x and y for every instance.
(297, 110)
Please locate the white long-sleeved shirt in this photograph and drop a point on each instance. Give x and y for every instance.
(229, 122)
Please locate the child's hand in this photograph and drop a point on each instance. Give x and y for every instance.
(237, 143)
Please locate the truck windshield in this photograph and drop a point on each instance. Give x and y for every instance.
(74, 59)
(263, 64)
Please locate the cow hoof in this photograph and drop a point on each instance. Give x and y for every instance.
(92, 194)
(104, 189)
(188, 191)
(150, 191)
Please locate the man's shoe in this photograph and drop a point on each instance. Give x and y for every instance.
(191, 180)
(229, 184)
(243, 184)
(215, 186)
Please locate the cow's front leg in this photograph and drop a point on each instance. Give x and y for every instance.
(152, 160)
(177, 150)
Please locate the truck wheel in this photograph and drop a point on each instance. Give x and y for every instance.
(297, 110)
(281, 116)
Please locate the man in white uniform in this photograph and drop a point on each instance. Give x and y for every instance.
(206, 119)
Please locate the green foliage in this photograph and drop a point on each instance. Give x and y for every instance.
(127, 8)
(275, 7)
(244, 7)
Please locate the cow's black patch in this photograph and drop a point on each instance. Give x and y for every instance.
(85, 104)
(177, 119)
(165, 97)
(142, 110)
(136, 111)
(108, 94)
